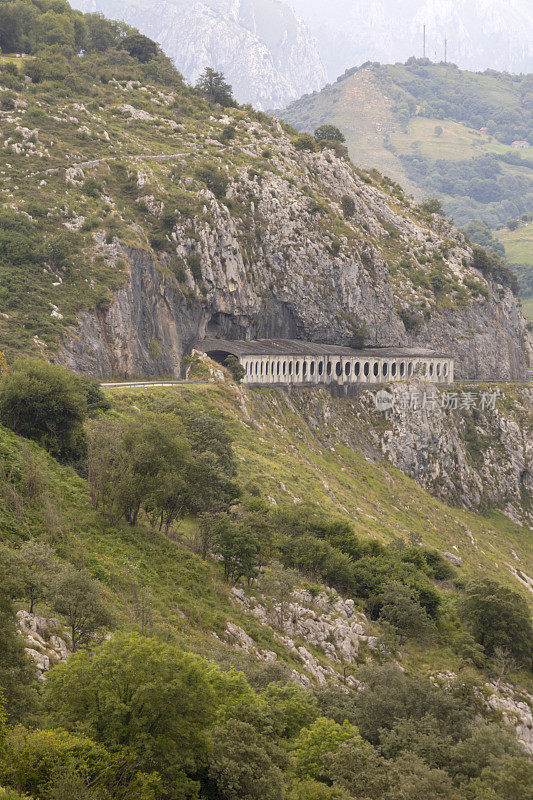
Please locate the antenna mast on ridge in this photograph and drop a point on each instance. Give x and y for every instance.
(445, 50)
(424, 51)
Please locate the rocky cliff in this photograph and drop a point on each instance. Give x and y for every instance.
(266, 53)
(141, 219)
(276, 257)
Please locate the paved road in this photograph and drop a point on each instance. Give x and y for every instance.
(149, 384)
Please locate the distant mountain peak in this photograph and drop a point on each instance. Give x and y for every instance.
(266, 52)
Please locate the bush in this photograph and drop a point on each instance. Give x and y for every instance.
(348, 206)
(499, 617)
(38, 759)
(45, 403)
(305, 142)
(215, 180)
(17, 672)
(235, 367)
(397, 605)
(431, 206)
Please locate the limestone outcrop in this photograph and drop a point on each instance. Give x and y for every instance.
(46, 641)
(304, 623)
(278, 259)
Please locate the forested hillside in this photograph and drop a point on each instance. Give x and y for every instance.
(257, 615)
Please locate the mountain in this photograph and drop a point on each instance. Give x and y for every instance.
(263, 49)
(438, 130)
(172, 219)
(214, 590)
(481, 34)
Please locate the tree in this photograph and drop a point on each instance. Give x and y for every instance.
(292, 708)
(348, 206)
(313, 790)
(438, 130)
(241, 765)
(238, 548)
(412, 779)
(140, 47)
(504, 663)
(139, 696)
(45, 403)
(314, 743)
(358, 768)
(329, 133)
(79, 598)
(212, 84)
(397, 605)
(17, 674)
(499, 617)
(53, 29)
(390, 695)
(39, 567)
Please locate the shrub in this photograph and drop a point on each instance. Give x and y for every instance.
(215, 180)
(235, 367)
(411, 319)
(92, 188)
(38, 758)
(305, 142)
(499, 617)
(348, 206)
(194, 263)
(431, 206)
(45, 403)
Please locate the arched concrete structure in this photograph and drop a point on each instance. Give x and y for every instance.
(289, 362)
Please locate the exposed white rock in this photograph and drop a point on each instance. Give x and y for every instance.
(46, 640)
(326, 622)
(516, 710)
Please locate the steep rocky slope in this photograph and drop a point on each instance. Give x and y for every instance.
(153, 219)
(264, 50)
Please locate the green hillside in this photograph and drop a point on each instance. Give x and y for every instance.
(315, 502)
(209, 592)
(438, 130)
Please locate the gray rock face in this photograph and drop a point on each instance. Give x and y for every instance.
(327, 622)
(481, 33)
(45, 641)
(263, 49)
(282, 262)
(473, 457)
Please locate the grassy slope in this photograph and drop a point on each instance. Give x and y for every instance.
(289, 460)
(519, 250)
(293, 460)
